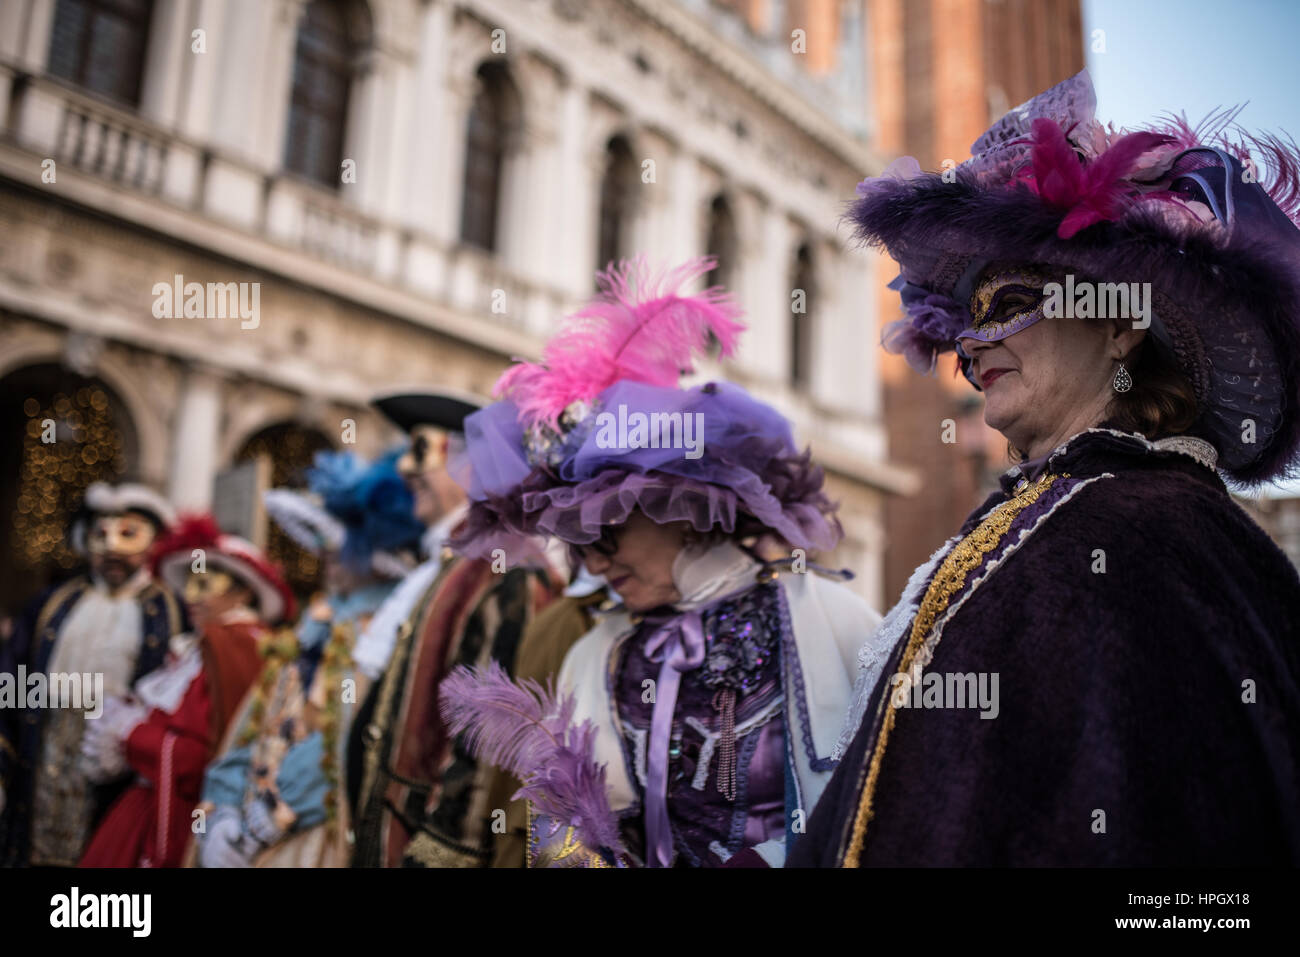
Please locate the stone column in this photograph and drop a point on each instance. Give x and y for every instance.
(518, 221)
(33, 50)
(450, 171)
(425, 190)
(196, 428)
(845, 350)
(165, 66)
(748, 274)
(525, 218)
(586, 220)
(274, 35)
(573, 249)
(369, 135)
(466, 45)
(687, 229)
(767, 344)
(652, 226)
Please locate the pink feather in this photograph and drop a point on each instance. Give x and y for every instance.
(638, 327)
(1219, 129)
(527, 731)
(1282, 162)
(1185, 136)
(1090, 193)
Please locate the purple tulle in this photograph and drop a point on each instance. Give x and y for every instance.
(747, 478)
(899, 171)
(930, 328)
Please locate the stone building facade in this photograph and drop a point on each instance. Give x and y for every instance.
(418, 189)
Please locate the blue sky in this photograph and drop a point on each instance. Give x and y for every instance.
(1195, 56)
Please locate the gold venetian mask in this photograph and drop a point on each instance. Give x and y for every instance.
(1006, 300)
(126, 534)
(428, 451)
(201, 586)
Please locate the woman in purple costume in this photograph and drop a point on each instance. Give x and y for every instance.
(716, 685)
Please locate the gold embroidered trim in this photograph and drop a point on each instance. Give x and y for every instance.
(571, 850)
(390, 682)
(335, 666)
(54, 601)
(173, 607)
(948, 580)
(427, 850)
(530, 854)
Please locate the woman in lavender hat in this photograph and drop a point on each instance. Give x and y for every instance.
(695, 720)
(1101, 667)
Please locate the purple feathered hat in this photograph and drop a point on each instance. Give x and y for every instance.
(599, 428)
(1178, 207)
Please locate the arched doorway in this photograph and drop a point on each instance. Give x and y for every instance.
(70, 430)
(290, 448)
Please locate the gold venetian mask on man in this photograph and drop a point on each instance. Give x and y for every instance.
(118, 546)
(125, 535)
(426, 453)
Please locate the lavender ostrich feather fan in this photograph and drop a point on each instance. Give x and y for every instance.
(526, 730)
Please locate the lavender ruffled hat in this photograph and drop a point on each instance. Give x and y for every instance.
(1181, 208)
(561, 455)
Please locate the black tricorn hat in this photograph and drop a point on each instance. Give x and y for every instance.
(446, 410)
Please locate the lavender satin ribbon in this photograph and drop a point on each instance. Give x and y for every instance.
(678, 646)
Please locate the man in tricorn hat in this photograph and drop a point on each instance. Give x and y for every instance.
(113, 621)
(419, 798)
(433, 422)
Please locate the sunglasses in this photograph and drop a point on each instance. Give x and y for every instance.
(606, 545)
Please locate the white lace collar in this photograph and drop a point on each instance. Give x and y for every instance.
(1195, 448)
(704, 576)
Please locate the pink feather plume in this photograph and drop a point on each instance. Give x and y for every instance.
(639, 326)
(1090, 193)
(525, 730)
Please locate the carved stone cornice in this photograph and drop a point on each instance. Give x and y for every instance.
(755, 78)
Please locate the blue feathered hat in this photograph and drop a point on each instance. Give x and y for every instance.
(364, 509)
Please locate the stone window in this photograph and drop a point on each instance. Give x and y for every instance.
(721, 242)
(100, 45)
(617, 197)
(802, 279)
(493, 122)
(333, 39)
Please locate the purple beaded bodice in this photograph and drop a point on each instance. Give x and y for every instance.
(743, 661)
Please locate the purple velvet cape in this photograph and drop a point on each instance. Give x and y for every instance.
(1120, 691)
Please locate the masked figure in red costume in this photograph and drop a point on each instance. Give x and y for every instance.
(109, 626)
(167, 730)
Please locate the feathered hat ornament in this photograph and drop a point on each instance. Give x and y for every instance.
(525, 730)
(639, 327)
(550, 458)
(370, 499)
(363, 509)
(1182, 210)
